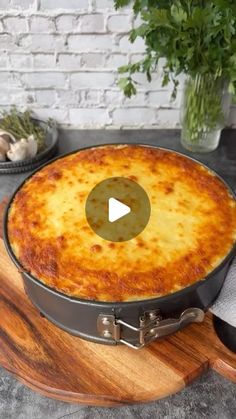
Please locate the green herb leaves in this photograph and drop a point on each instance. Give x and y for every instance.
(194, 37)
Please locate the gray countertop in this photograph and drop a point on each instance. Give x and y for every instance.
(211, 396)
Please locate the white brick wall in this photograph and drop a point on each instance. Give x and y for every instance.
(60, 57)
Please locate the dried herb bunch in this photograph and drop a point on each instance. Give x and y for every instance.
(21, 125)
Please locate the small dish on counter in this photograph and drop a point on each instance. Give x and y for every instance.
(30, 163)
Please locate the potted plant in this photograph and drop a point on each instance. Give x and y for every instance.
(197, 38)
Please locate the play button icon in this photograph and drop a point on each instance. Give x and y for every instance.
(118, 209)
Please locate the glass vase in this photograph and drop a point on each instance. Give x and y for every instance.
(204, 112)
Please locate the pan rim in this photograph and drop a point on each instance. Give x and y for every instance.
(110, 304)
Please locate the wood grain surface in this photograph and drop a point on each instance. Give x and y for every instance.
(68, 368)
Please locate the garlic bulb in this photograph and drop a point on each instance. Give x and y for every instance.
(2, 155)
(18, 151)
(7, 136)
(5, 140)
(32, 146)
(4, 145)
(23, 149)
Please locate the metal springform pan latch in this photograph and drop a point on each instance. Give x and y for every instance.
(152, 326)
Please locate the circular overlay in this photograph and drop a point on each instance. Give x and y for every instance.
(124, 202)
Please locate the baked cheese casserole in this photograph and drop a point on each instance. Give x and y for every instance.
(192, 226)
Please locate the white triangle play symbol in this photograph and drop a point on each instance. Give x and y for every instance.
(117, 210)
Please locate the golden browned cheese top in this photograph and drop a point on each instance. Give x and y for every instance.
(191, 229)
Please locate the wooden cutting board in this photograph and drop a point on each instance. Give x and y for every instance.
(67, 368)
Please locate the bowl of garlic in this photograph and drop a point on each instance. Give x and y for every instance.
(25, 142)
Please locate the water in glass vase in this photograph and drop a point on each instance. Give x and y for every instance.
(204, 111)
